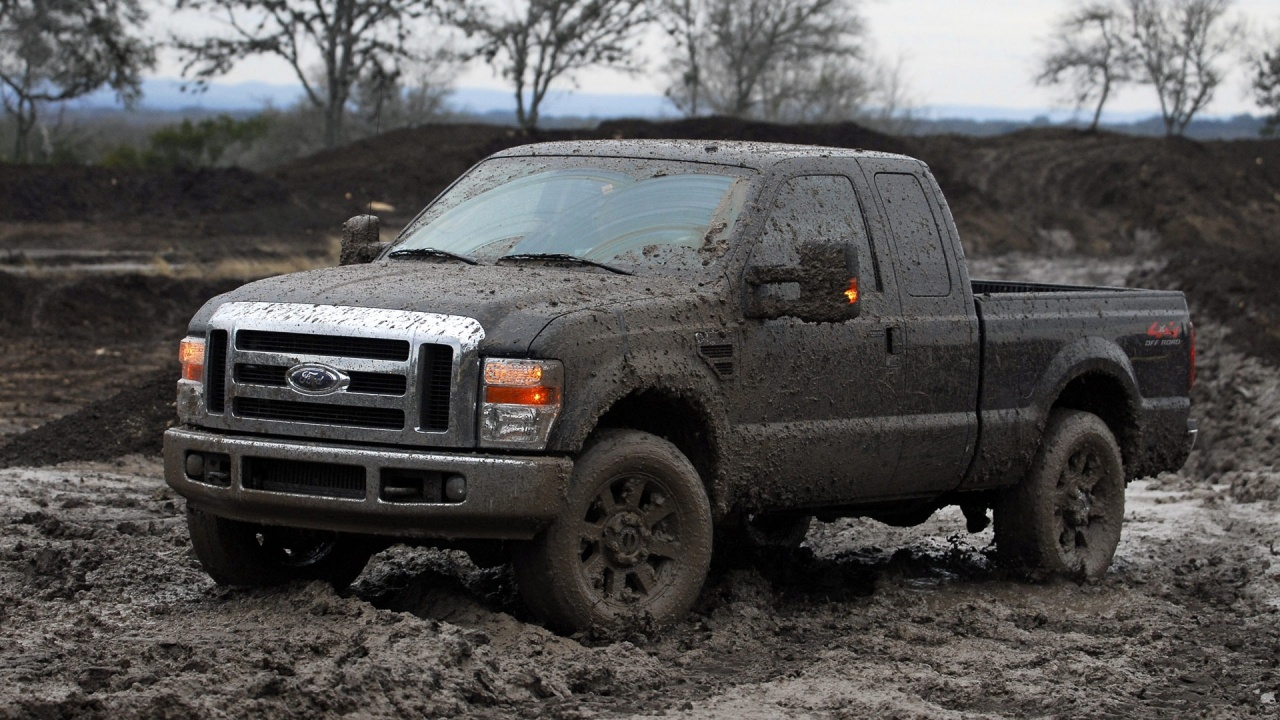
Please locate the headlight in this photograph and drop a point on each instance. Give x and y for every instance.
(191, 355)
(519, 401)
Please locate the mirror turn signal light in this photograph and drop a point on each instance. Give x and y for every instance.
(191, 355)
(852, 292)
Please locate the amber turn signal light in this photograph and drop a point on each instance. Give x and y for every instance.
(191, 355)
(522, 395)
(852, 292)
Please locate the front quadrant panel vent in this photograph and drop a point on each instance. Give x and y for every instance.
(720, 351)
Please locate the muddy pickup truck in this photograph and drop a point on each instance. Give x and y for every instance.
(594, 359)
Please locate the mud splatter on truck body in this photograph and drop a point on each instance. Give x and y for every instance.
(634, 342)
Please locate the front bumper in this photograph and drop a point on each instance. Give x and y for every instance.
(508, 497)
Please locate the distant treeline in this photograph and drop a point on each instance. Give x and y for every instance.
(1239, 127)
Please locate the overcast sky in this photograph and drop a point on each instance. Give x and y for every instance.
(956, 52)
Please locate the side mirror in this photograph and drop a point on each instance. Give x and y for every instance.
(823, 287)
(361, 241)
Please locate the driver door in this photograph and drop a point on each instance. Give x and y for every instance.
(816, 409)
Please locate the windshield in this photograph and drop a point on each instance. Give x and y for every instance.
(637, 215)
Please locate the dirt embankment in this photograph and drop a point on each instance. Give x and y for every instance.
(94, 356)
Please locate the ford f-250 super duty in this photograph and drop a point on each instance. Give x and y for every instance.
(594, 357)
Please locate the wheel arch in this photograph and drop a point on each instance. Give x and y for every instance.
(679, 418)
(1096, 376)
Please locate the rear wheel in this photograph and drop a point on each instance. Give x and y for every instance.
(239, 553)
(1064, 518)
(632, 545)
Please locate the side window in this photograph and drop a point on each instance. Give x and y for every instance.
(923, 260)
(813, 208)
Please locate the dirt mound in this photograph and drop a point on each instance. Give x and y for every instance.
(55, 193)
(843, 135)
(407, 168)
(404, 168)
(1067, 191)
(132, 421)
(102, 308)
(1233, 286)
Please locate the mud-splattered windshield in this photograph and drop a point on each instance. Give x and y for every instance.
(634, 216)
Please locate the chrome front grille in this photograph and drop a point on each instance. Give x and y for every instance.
(399, 373)
(330, 346)
(361, 382)
(321, 413)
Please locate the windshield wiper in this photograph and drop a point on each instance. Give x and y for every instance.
(566, 258)
(431, 252)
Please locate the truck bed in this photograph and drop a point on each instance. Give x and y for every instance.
(1001, 287)
(1036, 334)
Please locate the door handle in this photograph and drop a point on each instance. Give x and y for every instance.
(893, 345)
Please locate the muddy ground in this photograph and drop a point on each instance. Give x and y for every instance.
(104, 611)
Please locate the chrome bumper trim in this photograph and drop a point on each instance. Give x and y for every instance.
(508, 497)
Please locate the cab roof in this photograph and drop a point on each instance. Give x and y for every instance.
(756, 155)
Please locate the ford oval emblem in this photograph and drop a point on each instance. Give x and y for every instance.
(316, 379)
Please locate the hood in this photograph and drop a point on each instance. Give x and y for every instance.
(513, 303)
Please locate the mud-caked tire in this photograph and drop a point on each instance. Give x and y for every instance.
(1064, 518)
(243, 554)
(632, 545)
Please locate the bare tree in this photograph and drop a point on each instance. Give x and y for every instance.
(892, 104)
(826, 88)
(1266, 87)
(534, 43)
(685, 22)
(354, 40)
(764, 58)
(52, 51)
(1092, 53)
(1178, 44)
(415, 93)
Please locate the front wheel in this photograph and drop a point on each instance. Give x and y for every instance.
(240, 553)
(1064, 518)
(632, 545)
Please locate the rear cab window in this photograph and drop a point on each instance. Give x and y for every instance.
(925, 268)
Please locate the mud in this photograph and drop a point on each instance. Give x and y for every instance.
(105, 613)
